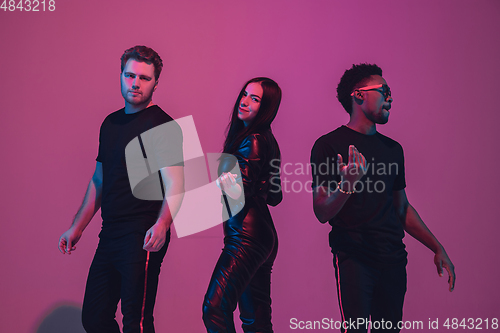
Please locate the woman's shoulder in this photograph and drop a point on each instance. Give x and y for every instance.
(252, 143)
(259, 143)
(261, 137)
(256, 141)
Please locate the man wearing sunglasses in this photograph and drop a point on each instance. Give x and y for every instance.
(363, 198)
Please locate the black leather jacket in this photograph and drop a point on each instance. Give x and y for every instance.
(259, 160)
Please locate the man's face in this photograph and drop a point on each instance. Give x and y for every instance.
(375, 105)
(138, 82)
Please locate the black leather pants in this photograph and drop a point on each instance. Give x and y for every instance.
(242, 274)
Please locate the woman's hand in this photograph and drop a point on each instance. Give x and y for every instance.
(227, 183)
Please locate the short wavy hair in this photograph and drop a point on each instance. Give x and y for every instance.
(144, 54)
(354, 78)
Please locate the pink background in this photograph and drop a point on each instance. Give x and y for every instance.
(60, 78)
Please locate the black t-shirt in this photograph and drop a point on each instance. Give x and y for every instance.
(367, 226)
(121, 211)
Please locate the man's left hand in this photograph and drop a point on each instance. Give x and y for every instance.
(155, 237)
(441, 260)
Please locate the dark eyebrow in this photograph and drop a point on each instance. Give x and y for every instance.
(253, 95)
(142, 76)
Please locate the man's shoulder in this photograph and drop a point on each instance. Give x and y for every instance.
(332, 136)
(153, 110)
(157, 110)
(327, 144)
(112, 118)
(388, 141)
(115, 114)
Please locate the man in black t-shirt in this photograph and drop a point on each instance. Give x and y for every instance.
(359, 188)
(135, 233)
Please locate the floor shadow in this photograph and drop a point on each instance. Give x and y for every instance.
(62, 318)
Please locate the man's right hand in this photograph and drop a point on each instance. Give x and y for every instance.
(354, 170)
(68, 240)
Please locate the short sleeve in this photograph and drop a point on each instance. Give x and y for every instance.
(100, 153)
(167, 145)
(400, 181)
(323, 165)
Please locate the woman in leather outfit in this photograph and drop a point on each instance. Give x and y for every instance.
(242, 274)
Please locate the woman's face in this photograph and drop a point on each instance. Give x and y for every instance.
(250, 102)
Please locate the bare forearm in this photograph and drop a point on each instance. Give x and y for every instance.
(170, 208)
(414, 226)
(328, 204)
(90, 205)
(173, 179)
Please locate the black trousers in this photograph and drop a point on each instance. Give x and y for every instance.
(369, 293)
(242, 275)
(121, 269)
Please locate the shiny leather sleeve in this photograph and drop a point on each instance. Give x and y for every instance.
(258, 157)
(251, 157)
(274, 195)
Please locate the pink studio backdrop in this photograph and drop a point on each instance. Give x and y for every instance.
(60, 78)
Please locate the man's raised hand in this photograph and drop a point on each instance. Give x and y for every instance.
(354, 170)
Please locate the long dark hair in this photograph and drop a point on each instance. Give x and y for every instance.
(269, 104)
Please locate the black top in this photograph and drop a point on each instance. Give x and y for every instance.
(121, 211)
(259, 160)
(367, 226)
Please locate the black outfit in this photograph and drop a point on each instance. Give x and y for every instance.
(243, 272)
(366, 236)
(121, 269)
